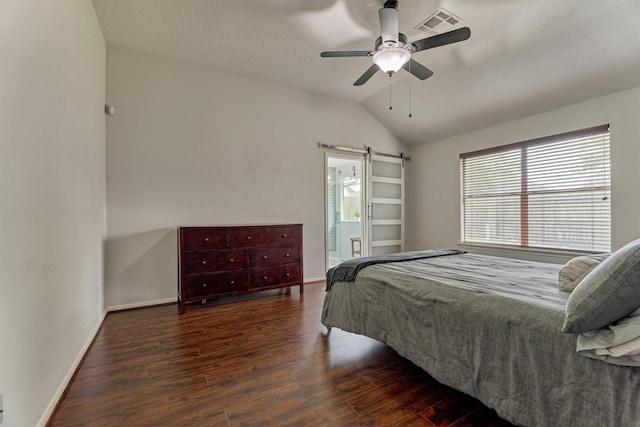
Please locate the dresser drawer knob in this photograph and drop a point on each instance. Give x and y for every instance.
(264, 257)
(232, 282)
(284, 236)
(206, 239)
(248, 237)
(231, 259)
(265, 277)
(287, 275)
(204, 262)
(204, 285)
(287, 255)
(204, 301)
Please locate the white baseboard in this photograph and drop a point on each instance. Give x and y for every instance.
(65, 382)
(142, 304)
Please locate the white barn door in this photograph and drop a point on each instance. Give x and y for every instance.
(385, 204)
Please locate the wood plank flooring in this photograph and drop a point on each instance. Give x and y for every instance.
(256, 360)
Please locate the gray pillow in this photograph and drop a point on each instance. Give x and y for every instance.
(608, 293)
(577, 269)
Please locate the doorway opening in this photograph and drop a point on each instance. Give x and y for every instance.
(345, 202)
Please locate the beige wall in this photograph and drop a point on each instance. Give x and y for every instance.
(190, 145)
(52, 198)
(435, 177)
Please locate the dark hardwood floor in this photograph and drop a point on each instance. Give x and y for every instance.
(261, 359)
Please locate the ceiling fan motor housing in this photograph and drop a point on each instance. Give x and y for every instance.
(402, 41)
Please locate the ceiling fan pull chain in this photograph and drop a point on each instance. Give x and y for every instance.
(409, 90)
(390, 107)
(410, 100)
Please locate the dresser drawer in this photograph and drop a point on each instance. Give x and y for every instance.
(284, 234)
(216, 283)
(212, 261)
(272, 256)
(248, 237)
(267, 277)
(202, 239)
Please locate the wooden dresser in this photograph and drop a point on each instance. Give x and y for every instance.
(233, 260)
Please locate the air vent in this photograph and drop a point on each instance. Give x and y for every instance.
(438, 23)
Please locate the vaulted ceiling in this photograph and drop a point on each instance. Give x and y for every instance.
(523, 57)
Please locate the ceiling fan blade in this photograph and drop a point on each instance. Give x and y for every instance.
(442, 39)
(367, 75)
(345, 53)
(417, 69)
(388, 24)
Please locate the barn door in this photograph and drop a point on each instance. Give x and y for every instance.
(385, 204)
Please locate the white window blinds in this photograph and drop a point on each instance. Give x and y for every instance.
(552, 192)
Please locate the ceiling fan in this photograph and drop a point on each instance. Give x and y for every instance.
(392, 51)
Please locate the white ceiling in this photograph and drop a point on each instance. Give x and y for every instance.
(523, 57)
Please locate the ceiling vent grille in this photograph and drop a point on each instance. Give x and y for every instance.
(438, 23)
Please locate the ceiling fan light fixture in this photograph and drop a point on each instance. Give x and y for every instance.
(390, 60)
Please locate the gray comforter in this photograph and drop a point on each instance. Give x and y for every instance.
(489, 327)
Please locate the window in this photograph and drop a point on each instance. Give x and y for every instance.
(552, 192)
(351, 200)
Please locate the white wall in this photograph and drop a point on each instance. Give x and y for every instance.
(435, 188)
(52, 198)
(190, 145)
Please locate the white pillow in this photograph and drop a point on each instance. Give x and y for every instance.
(576, 269)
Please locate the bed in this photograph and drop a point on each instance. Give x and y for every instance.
(492, 328)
